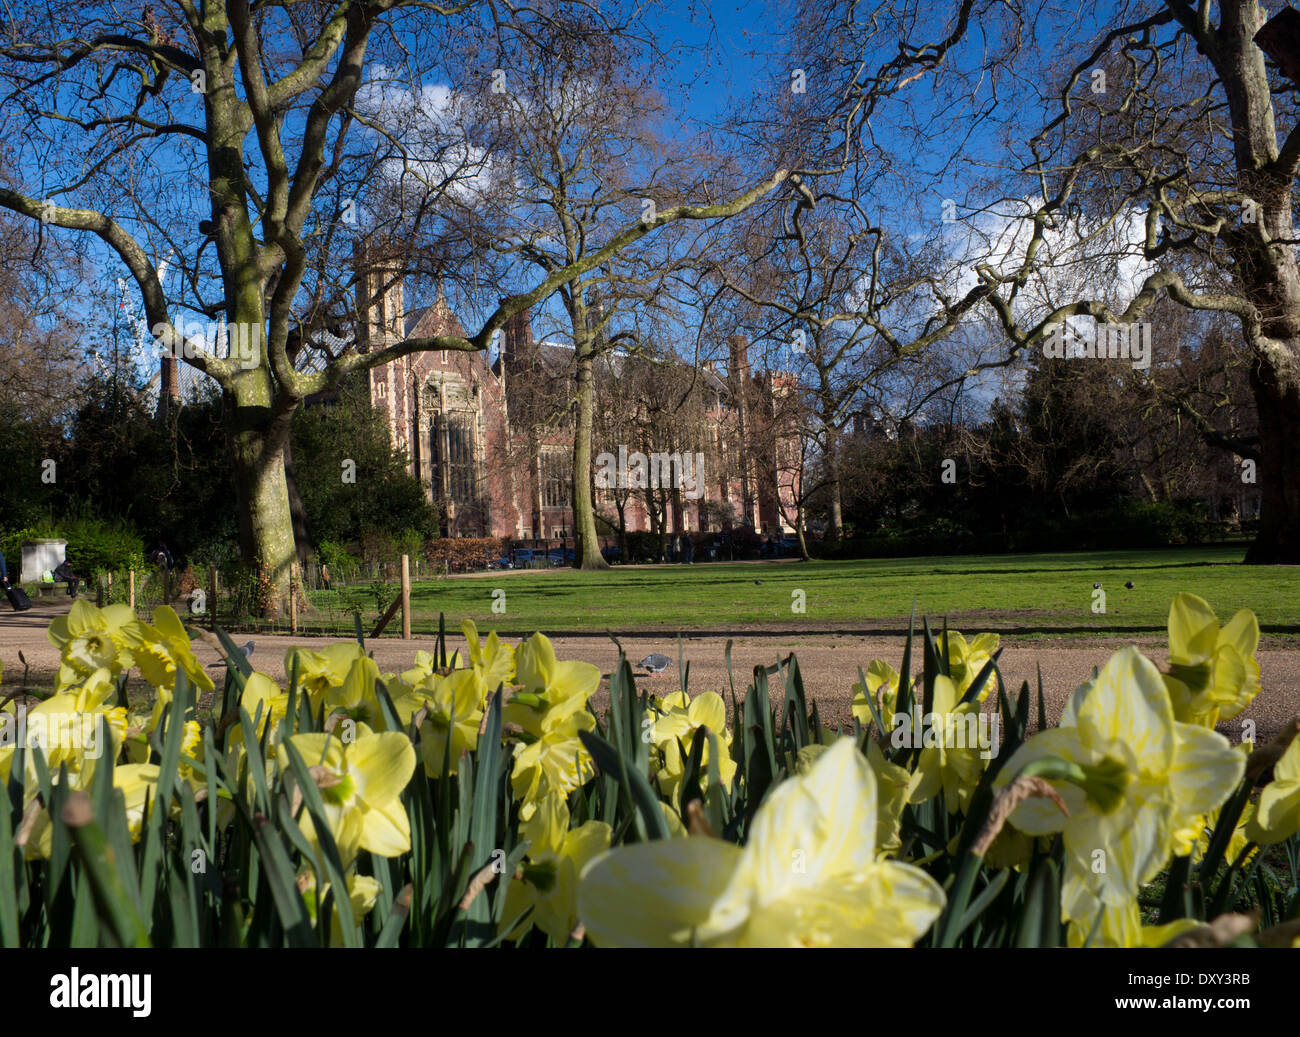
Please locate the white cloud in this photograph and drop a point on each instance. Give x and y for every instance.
(426, 127)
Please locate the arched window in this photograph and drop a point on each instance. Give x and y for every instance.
(453, 452)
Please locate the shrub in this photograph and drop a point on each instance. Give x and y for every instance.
(464, 554)
(337, 556)
(102, 545)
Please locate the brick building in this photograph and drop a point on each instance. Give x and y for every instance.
(490, 437)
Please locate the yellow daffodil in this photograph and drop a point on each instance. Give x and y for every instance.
(1278, 815)
(138, 783)
(453, 715)
(163, 649)
(90, 638)
(550, 708)
(426, 665)
(892, 782)
(550, 691)
(808, 876)
(356, 696)
(1121, 926)
(967, 659)
(1213, 672)
(950, 760)
(675, 721)
(363, 891)
(549, 882)
(1135, 777)
(554, 762)
(361, 785)
(1194, 837)
(191, 750)
(318, 671)
(882, 686)
(492, 662)
(66, 728)
(264, 702)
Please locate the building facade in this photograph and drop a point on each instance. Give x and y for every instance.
(490, 437)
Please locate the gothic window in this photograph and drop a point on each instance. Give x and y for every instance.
(555, 479)
(455, 431)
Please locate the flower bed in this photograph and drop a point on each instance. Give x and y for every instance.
(477, 800)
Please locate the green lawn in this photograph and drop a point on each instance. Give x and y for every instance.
(1031, 594)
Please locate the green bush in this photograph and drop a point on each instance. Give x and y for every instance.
(337, 556)
(96, 545)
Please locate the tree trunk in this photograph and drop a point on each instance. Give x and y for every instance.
(587, 546)
(835, 483)
(1277, 397)
(621, 507)
(258, 438)
(297, 510)
(1268, 272)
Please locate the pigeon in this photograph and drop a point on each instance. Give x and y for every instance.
(247, 649)
(655, 664)
(758, 581)
(1129, 585)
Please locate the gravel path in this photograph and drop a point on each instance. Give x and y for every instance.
(828, 663)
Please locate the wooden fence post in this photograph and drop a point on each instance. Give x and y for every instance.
(406, 597)
(110, 587)
(293, 597)
(130, 593)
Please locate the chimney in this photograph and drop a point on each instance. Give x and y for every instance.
(169, 386)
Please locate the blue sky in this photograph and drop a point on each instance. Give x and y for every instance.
(723, 54)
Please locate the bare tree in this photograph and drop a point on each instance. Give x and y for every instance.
(1185, 163)
(587, 159)
(237, 137)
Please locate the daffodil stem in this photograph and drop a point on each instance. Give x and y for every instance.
(1174, 904)
(950, 925)
(1221, 837)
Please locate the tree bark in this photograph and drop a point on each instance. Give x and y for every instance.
(587, 553)
(1270, 279)
(297, 510)
(1277, 397)
(835, 485)
(258, 438)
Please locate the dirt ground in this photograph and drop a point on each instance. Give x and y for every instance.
(828, 662)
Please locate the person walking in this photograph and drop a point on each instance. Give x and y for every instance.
(17, 596)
